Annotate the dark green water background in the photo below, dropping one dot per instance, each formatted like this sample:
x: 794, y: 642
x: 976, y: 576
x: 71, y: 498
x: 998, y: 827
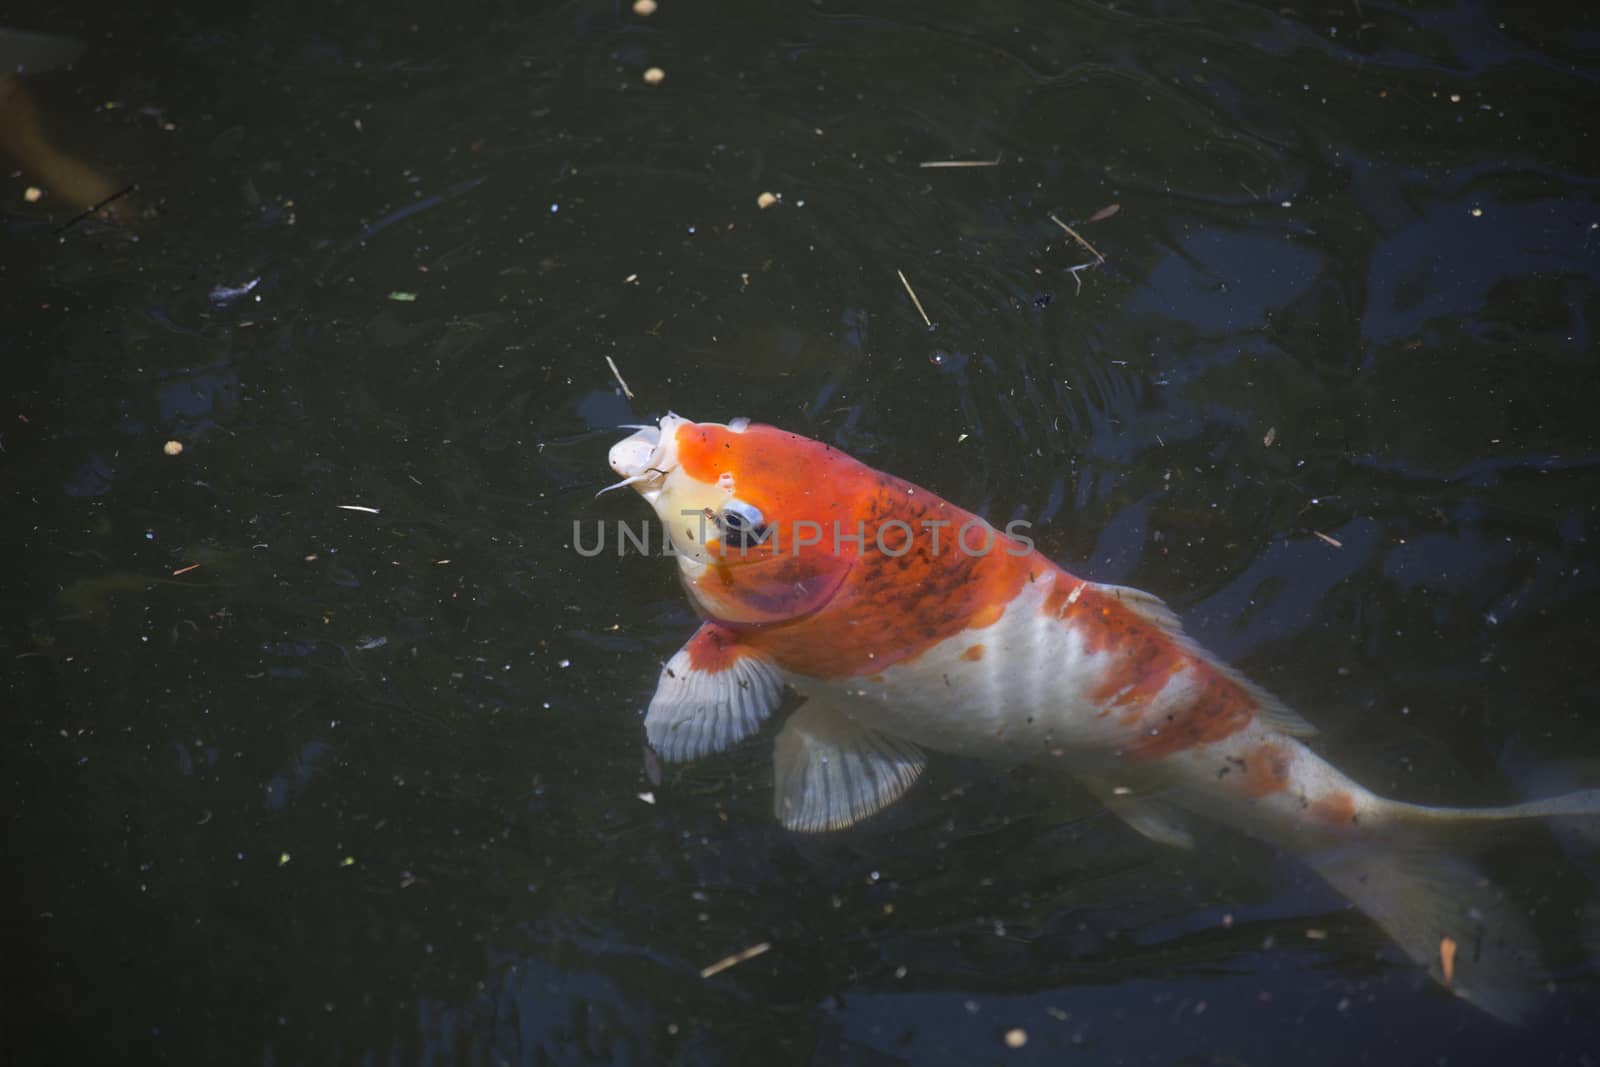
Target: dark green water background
x: 364, y: 788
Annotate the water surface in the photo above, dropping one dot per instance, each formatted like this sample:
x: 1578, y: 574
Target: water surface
x: 364, y: 785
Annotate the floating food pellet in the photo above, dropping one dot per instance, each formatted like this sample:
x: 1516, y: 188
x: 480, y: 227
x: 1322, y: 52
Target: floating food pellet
x: 283, y: 859
x: 1477, y: 212
x: 644, y: 7
x: 765, y: 200
x: 1016, y: 1037
x: 32, y: 194
x: 654, y: 75
x: 173, y: 448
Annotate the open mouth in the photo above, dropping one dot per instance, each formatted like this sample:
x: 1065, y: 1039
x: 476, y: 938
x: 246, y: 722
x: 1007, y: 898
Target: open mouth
x: 647, y: 454
x: 632, y: 455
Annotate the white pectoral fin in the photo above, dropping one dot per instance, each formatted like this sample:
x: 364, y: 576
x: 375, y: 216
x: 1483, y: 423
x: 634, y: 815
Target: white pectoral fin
x: 831, y: 772
x: 702, y: 709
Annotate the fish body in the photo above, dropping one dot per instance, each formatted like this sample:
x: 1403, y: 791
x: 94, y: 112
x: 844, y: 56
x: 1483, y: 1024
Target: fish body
x: 911, y: 625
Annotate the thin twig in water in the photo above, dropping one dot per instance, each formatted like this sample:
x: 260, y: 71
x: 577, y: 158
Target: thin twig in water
x: 108, y: 201
x: 1079, y: 238
x: 1334, y: 541
x: 734, y: 960
x: 912, y: 293
x: 618, y: 375
x: 1074, y: 272
x: 948, y: 163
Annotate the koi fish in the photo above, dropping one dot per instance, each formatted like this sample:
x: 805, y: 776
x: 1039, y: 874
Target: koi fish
x: 909, y: 625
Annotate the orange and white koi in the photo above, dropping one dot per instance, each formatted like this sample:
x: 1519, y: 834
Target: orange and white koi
x: 909, y: 624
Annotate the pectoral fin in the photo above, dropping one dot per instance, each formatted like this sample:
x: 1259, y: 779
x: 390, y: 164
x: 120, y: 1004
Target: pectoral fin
x: 1145, y: 812
x: 713, y: 693
x: 831, y: 771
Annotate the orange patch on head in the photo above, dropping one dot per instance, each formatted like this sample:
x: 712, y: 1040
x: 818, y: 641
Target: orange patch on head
x: 901, y: 597
x: 1265, y: 770
x: 891, y: 577
x: 1334, y: 809
x: 973, y: 654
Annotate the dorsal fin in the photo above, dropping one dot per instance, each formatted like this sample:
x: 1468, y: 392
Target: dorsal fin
x: 1272, y: 711
x: 1145, y: 605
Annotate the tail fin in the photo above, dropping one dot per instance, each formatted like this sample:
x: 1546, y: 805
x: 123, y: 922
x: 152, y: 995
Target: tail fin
x: 1444, y: 912
x: 1439, y: 908
x: 1583, y: 804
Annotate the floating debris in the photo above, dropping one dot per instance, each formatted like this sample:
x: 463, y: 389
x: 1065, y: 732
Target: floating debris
x: 227, y: 294
x: 402, y: 297
x: 766, y: 200
x: 1076, y: 236
x: 1447, y: 959
x: 186, y: 570
x: 1272, y: 435
x: 1016, y: 1037
x: 912, y: 293
x: 644, y: 8
x: 1104, y: 213
x: 283, y: 859
x: 357, y: 507
x: 734, y: 960
x: 941, y: 164
x: 32, y: 194
x: 618, y: 376
x: 1314, y: 934
x: 173, y: 448
x: 95, y: 209
x: 1334, y: 541
x: 648, y: 798
x: 654, y: 76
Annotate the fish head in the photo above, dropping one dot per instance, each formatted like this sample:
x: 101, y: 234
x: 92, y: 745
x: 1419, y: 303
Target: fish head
x: 751, y: 512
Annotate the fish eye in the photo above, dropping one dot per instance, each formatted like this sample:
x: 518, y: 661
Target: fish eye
x: 742, y: 524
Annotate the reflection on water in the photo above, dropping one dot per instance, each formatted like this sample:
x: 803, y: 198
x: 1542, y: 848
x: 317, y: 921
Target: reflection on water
x: 1348, y: 292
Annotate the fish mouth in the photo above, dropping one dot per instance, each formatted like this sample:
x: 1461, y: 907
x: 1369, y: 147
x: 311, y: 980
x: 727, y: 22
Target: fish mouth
x: 647, y: 455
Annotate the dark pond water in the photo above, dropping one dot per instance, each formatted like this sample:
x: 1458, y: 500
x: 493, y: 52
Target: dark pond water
x: 364, y: 785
